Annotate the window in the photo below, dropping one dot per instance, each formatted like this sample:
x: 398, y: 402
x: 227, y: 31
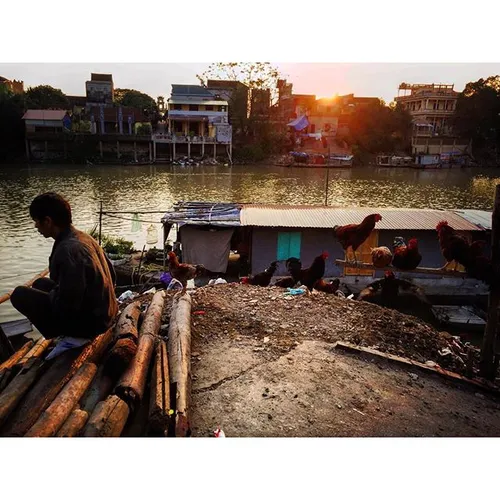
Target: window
x: 193, y: 107
x: 209, y: 108
x: 288, y: 245
x: 177, y: 107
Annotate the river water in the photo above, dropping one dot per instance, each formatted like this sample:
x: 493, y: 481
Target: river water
x: 23, y: 252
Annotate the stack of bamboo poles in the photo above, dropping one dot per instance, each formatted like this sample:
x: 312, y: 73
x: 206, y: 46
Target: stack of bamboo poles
x: 128, y: 381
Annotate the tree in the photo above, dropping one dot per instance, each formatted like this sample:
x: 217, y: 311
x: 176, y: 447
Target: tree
x: 135, y: 99
x: 255, y: 75
x: 11, y: 123
x: 45, y: 97
x: 477, y: 115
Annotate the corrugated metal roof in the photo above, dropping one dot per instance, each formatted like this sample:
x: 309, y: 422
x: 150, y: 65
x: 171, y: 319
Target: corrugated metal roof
x: 44, y: 114
x: 327, y: 217
x: 480, y: 218
x: 203, y: 213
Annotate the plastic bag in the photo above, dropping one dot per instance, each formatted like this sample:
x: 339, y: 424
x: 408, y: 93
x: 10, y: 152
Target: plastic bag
x: 129, y: 294
x: 136, y: 223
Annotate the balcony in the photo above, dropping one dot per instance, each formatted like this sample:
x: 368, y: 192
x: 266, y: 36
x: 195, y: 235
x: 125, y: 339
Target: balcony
x: 183, y: 139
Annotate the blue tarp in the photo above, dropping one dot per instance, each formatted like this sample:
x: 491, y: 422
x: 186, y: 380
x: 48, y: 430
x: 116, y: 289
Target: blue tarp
x: 299, y: 123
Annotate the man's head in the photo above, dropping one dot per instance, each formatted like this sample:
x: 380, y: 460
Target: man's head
x: 51, y: 213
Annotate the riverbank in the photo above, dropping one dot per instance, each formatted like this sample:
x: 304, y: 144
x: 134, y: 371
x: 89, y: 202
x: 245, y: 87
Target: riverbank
x: 265, y: 364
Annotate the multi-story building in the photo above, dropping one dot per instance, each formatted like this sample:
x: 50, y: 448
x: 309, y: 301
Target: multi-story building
x: 100, y: 90
x: 235, y: 93
x: 16, y: 86
x: 432, y: 107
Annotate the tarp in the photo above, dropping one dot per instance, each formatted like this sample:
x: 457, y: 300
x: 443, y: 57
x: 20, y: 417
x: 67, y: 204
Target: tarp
x: 299, y: 123
x: 209, y: 248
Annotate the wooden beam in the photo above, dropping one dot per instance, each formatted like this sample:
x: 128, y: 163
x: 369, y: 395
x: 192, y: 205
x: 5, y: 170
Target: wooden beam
x: 179, y: 353
x: 490, y: 347
x: 419, y: 270
x: 159, y: 403
x: 108, y: 419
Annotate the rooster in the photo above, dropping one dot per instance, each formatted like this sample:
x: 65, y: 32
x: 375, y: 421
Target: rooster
x: 381, y: 257
x: 183, y: 272
x: 286, y: 282
x: 406, y: 257
x: 479, y: 266
x: 263, y: 278
x: 325, y: 287
x: 454, y: 247
x: 310, y: 275
x: 354, y: 235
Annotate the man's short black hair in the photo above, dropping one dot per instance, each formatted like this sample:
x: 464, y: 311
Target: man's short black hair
x: 51, y: 205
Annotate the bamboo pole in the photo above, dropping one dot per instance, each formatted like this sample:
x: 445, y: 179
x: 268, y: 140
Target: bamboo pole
x: 490, y: 347
x: 59, y: 372
x: 6, y: 296
x: 420, y: 270
x: 159, y: 402
x: 59, y: 410
x: 108, y: 419
x: 17, y: 356
x: 179, y: 352
x: 20, y: 385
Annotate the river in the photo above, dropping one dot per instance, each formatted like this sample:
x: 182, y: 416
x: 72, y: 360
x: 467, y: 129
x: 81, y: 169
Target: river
x: 23, y: 252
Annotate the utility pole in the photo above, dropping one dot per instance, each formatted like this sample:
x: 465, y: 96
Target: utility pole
x: 491, y: 345
x: 100, y: 222
x: 326, y: 185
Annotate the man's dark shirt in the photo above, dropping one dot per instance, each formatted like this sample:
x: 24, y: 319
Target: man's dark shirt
x: 83, y: 300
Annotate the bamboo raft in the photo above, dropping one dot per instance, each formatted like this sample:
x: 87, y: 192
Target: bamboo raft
x: 129, y: 381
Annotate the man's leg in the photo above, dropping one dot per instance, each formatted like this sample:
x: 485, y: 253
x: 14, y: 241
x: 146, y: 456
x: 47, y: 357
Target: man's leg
x: 35, y: 305
x: 44, y: 284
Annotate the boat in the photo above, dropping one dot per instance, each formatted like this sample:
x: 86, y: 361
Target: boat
x: 393, y: 161
x: 303, y: 159
x: 459, y: 317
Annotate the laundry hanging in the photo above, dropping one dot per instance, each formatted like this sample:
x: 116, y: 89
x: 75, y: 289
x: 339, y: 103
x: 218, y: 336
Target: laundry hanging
x: 136, y: 223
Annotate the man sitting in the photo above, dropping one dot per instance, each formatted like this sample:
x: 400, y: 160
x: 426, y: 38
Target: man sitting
x: 78, y: 300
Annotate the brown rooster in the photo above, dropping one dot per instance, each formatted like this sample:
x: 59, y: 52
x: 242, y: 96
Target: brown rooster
x: 354, y: 235
x: 453, y: 246
x: 310, y: 275
x: 325, y: 287
x: 183, y: 272
x: 381, y: 257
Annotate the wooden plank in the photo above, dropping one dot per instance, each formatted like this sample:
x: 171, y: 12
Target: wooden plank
x: 491, y: 340
x: 17, y: 327
x: 179, y: 353
x: 419, y: 270
x: 454, y: 377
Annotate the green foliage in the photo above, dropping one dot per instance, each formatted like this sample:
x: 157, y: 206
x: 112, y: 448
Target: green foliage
x: 11, y: 123
x: 135, y: 99
x: 116, y: 246
x: 45, y: 97
x: 377, y: 128
x: 250, y: 153
x: 81, y: 126
x: 477, y: 115
x: 143, y: 128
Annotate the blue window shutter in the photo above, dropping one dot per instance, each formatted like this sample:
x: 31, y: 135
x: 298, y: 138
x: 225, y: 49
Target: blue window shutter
x: 288, y: 245
x: 283, y: 246
x: 294, y: 250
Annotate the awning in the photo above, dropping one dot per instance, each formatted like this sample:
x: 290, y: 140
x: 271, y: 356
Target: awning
x: 299, y: 123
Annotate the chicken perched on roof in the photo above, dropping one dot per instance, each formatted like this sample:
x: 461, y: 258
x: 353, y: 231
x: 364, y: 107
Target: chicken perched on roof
x: 354, y: 235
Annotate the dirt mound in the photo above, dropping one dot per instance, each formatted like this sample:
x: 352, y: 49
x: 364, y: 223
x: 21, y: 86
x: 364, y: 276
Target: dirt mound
x: 281, y: 321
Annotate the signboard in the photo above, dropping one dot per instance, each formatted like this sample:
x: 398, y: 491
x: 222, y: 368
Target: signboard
x: 224, y: 132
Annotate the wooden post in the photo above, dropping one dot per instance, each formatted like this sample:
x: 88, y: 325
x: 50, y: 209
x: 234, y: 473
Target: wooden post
x: 15, y: 357
x: 100, y: 149
x: 118, y: 150
x: 326, y: 184
x: 154, y: 150
x: 108, y: 419
x: 490, y: 345
x: 150, y: 154
x: 28, y: 156
x: 203, y: 146
x: 173, y: 146
x: 179, y: 353
x: 215, y: 150
x: 189, y: 146
x: 135, y: 151
x: 100, y: 222
x: 159, y: 403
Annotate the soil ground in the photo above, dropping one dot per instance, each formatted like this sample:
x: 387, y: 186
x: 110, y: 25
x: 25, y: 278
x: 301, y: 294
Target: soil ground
x: 264, y: 364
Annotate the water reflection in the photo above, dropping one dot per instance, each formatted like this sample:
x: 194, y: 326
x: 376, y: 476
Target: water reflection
x: 148, y: 188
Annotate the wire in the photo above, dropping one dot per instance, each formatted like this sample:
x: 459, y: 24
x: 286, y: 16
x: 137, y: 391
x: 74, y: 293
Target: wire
x: 133, y: 220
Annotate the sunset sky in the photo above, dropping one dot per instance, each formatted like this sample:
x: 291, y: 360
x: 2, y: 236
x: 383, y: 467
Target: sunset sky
x: 323, y: 79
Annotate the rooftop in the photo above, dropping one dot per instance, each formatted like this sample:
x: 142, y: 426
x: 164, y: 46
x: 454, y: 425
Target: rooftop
x: 101, y: 77
x: 191, y: 90
x: 232, y: 214
x: 44, y: 114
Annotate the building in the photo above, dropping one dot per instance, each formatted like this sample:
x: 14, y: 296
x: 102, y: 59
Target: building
x: 260, y: 104
x: 120, y: 120
x: 236, y: 94
x: 99, y: 90
x: 277, y: 232
x: 432, y: 107
x: 195, y: 119
x: 16, y: 86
